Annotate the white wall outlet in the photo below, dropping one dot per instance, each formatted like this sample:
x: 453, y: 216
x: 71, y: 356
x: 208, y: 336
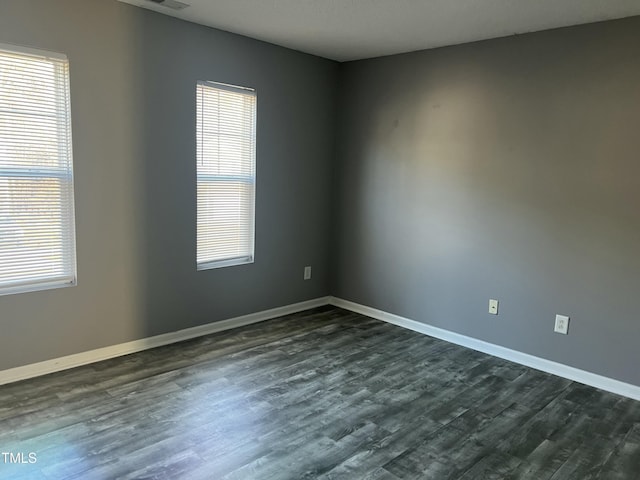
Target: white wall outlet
x: 562, y: 324
x: 493, y: 307
x: 307, y: 273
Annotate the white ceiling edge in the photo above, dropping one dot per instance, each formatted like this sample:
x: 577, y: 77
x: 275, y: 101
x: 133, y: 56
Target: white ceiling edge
x: 345, y: 30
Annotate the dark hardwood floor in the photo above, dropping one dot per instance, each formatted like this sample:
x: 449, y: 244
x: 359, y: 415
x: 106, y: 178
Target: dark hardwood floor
x: 322, y: 394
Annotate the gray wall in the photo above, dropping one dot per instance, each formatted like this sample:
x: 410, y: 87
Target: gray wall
x: 505, y: 169
x: 133, y: 77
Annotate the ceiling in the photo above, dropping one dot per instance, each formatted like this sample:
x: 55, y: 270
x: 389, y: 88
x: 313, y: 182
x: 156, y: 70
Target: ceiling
x: 354, y: 29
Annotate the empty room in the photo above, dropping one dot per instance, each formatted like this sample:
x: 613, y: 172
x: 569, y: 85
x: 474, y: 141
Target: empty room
x: 341, y: 239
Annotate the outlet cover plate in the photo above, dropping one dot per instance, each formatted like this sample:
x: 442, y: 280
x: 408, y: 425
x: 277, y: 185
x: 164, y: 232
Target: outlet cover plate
x: 562, y: 324
x: 493, y: 307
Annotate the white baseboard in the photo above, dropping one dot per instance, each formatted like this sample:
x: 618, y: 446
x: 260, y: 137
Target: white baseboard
x: 70, y: 361
x: 559, y: 369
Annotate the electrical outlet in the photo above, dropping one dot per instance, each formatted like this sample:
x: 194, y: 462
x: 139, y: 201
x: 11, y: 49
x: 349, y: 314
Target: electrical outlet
x: 493, y: 307
x: 562, y: 324
x: 307, y: 273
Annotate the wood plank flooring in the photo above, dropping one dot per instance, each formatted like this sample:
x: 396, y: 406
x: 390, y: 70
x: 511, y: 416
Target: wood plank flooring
x: 323, y: 394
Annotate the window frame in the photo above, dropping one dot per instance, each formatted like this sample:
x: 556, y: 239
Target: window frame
x: 210, y: 264
x: 64, y: 145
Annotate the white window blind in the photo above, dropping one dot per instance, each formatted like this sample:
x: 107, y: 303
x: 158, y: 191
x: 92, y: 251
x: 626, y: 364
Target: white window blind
x: 226, y: 156
x: 37, y: 244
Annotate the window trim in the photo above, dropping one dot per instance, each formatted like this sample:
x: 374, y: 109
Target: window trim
x: 61, y: 281
x: 242, y: 259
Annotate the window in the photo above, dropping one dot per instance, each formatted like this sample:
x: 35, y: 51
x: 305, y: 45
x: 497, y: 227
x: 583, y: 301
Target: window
x: 37, y: 233
x: 226, y: 178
